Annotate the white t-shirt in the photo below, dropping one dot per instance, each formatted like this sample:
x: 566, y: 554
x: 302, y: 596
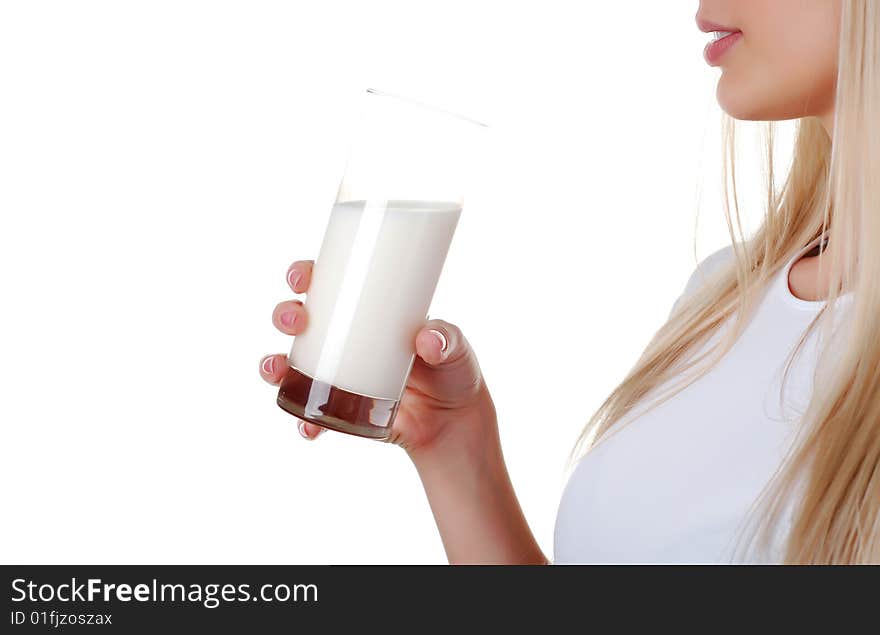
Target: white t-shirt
x: 673, y: 485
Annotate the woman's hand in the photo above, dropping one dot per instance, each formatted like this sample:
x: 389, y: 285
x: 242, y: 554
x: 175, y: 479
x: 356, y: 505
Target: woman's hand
x: 446, y: 422
x: 445, y: 401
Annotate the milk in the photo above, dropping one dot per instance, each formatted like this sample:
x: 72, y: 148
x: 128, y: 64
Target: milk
x: 371, y: 288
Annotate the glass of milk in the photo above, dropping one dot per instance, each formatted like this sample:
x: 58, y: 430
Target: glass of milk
x: 386, y: 240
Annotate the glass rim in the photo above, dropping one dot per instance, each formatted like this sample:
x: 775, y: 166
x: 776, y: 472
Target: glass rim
x: 415, y: 102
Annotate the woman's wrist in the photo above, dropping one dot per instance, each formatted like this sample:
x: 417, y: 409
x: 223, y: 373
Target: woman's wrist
x: 476, y: 510
x: 471, y: 496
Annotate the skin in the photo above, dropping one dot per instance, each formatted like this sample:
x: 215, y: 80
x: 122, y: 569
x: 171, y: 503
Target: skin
x: 783, y: 67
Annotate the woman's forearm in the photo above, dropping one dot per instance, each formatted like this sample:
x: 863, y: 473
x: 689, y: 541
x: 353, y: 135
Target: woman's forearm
x: 473, y: 501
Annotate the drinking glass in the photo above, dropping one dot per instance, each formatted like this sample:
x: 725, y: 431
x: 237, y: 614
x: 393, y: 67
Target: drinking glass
x: 384, y: 247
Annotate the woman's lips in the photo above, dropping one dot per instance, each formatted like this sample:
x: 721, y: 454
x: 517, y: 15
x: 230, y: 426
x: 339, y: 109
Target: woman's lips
x: 715, y: 49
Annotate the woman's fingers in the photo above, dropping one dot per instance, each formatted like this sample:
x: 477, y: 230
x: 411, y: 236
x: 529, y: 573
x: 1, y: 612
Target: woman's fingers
x: 272, y: 369
x: 299, y: 275
x: 309, y: 430
x: 289, y: 317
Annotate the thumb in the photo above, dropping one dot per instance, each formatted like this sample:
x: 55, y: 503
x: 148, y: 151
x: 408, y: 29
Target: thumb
x: 446, y: 366
x: 433, y: 343
x: 439, y: 343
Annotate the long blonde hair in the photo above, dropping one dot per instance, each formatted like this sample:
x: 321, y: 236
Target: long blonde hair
x: 833, y: 463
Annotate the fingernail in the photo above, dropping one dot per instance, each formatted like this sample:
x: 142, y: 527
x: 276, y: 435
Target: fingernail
x: 288, y: 318
x: 442, y: 340
x: 301, y: 426
x: 293, y: 277
x: 268, y: 365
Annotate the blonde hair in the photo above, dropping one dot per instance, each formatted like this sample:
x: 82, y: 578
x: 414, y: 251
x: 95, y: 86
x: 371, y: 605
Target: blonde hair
x: 833, y: 461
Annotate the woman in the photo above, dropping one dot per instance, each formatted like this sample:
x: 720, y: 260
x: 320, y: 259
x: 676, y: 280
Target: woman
x: 749, y: 429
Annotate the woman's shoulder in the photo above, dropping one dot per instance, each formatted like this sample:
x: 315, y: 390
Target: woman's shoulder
x: 704, y: 270
x: 708, y: 266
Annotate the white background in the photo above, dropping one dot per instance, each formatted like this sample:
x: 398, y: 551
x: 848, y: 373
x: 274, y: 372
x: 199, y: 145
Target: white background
x: 161, y: 164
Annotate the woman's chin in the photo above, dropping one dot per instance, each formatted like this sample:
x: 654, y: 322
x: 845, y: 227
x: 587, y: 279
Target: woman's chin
x: 737, y: 104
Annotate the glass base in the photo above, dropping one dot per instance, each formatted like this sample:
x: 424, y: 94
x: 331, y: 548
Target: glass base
x: 334, y: 408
